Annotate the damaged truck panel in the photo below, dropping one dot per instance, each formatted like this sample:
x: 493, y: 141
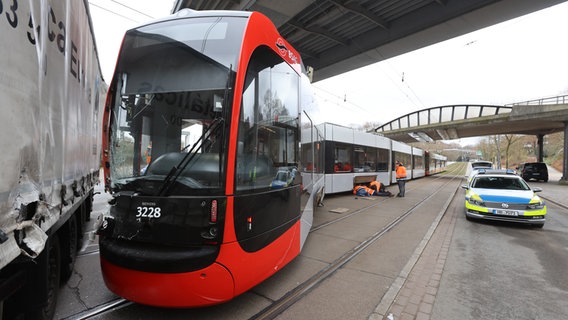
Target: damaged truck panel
x: 51, y: 97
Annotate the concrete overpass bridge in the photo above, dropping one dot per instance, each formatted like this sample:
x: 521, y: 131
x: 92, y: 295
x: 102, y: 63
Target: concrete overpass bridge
x: 536, y: 117
x: 336, y: 36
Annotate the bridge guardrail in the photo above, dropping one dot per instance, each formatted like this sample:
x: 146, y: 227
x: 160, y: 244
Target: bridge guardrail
x: 550, y: 100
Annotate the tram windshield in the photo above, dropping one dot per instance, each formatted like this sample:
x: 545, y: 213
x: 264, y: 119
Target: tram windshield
x: 172, y: 90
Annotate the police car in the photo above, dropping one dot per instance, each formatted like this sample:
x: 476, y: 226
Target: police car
x: 502, y: 195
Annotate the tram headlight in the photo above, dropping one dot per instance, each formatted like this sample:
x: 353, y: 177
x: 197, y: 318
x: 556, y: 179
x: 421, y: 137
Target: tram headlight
x: 214, y: 232
x: 104, y: 225
x: 210, y: 234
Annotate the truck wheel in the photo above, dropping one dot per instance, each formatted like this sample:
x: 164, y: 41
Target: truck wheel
x: 70, y: 247
x: 52, y: 277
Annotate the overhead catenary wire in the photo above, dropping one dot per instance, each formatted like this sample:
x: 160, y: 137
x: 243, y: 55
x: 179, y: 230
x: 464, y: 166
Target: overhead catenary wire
x: 112, y: 12
x: 106, y: 8
x: 130, y: 8
x: 340, y: 101
x: 416, y: 101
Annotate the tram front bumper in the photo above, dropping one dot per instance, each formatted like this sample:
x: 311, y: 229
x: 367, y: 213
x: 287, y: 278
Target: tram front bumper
x: 208, y: 286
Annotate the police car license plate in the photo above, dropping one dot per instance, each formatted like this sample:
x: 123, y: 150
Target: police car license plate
x: 506, y: 212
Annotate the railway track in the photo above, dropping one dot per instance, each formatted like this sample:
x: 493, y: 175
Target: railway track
x: 110, y: 306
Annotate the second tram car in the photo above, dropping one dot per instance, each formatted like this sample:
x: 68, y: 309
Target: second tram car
x: 351, y: 157
x: 435, y: 163
x: 202, y: 157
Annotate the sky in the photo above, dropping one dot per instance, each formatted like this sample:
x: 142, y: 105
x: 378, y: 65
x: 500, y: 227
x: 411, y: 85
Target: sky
x: 517, y: 60
x: 112, y: 18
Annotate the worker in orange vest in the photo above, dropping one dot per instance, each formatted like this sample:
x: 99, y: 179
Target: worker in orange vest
x: 379, y: 189
x: 363, y: 191
x: 400, y: 178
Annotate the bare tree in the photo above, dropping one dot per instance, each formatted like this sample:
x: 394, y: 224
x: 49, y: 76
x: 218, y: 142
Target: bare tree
x: 488, y: 149
x: 510, y: 140
x: 369, y: 126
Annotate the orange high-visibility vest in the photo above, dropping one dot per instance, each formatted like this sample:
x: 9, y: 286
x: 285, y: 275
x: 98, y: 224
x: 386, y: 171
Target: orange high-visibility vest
x: 369, y: 190
x: 400, y: 172
x: 357, y: 188
x: 377, y: 185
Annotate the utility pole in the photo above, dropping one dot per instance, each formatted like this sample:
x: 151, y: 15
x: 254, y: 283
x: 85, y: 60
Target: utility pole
x: 498, y: 151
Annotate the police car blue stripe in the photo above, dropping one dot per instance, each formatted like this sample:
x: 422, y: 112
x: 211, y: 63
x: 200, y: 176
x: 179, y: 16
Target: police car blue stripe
x: 501, y: 198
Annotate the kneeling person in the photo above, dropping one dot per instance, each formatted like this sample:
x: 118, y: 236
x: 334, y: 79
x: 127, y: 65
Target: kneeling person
x: 379, y: 189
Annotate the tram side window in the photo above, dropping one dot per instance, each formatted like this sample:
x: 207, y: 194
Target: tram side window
x: 418, y: 162
x: 405, y: 158
x: 268, y: 138
x: 383, y: 160
x: 365, y: 159
x: 342, y: 158
x: 307, y: 154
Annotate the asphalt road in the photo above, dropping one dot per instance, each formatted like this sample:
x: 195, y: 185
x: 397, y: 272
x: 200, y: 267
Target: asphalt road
x: 505, y: 271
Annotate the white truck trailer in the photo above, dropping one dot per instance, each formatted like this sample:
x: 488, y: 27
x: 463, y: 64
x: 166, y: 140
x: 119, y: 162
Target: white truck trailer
x: 51, y: 99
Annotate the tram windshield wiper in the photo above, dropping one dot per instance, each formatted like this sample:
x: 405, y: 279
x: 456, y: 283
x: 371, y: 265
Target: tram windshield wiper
x: 176, y: 170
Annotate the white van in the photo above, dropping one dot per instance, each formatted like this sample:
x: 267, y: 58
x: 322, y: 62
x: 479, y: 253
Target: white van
x: 473, y: 168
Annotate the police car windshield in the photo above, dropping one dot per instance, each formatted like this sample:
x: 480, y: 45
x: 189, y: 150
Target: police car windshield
x: 500, y: 182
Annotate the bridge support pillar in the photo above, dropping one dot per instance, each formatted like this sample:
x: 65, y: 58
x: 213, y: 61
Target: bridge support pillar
x: 540, y: 144
x: 564, y: 178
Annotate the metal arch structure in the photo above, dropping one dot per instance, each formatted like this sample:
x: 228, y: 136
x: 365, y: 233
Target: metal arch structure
x: 336, y: 36
x: 443, y: 123
x: 537, y: 117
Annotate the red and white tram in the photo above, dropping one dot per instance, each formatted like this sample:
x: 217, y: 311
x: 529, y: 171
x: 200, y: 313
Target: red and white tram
x: 201, y: 138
